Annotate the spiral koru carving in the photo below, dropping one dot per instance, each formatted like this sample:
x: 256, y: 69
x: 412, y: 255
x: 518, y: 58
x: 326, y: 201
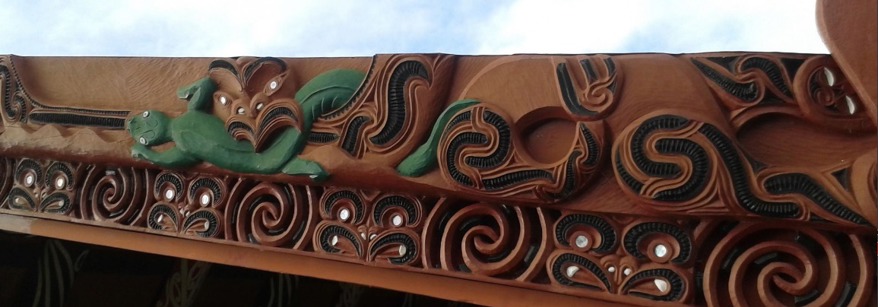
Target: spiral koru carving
x: 647, y: 164
x: 271, y: 214
x: 586, y: 232
x: 597, y: 97
x: 479, y: 151
x: 343, y: 212
x: 396, y: 220
x: 117, y: 195
x: 763, y: 265
x: 488, y: 240
x: 392, y: 110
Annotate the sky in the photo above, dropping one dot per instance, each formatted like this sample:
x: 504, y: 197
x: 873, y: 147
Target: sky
x: 312, y: 28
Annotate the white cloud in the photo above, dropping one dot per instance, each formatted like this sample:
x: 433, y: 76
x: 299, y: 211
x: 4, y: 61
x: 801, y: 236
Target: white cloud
x: 361, y: 28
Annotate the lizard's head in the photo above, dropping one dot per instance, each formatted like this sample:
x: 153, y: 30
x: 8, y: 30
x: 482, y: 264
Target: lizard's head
x: 150, y: 128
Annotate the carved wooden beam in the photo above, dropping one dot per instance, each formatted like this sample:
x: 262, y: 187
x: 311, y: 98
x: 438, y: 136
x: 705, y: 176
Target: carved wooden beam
x: 713, y: 178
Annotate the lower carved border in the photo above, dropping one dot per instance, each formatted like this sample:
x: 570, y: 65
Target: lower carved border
x: 622, y: 258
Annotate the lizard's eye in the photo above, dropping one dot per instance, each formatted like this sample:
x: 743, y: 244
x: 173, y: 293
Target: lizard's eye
x: 145, y: 114
x: 142, y: 140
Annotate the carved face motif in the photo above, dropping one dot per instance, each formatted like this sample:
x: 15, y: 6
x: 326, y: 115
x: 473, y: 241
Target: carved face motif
x: 254, y: 98
x: 150, y: 128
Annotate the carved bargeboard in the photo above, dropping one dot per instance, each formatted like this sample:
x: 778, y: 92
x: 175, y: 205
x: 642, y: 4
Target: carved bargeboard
x: 697, y: 179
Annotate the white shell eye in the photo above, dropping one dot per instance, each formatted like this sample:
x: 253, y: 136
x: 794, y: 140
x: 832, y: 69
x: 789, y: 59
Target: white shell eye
x: 145, y: 113
x: 224, y: 100
x: 240, y: 110
x: 259, y: 106
x: 272, y: 85
x: 142, y: 140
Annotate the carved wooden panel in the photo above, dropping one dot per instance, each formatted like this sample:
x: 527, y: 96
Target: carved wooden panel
x: 714, y: 179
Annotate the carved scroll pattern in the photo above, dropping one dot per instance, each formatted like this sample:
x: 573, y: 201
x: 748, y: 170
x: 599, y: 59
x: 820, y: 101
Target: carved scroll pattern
x: 479, y: 152
x: 19, y: 106
x: 761, y: 264
x: 380, y: 228
x: 596, y: 97
x: 809, y: 87
x: 609, y: 256
x: 641, y: 257
x: 673, y: 163
x: 393, y: 109
x: 254, y: 98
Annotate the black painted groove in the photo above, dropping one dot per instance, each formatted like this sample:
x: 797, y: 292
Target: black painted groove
x: 322, y: 137
x: 236, y: 125
x: 803, y: 184
x: 397, y: 113
x: 395, y: 201
x: 569, y: 92
x: 67, y: 119
x: 350, y: 103
x: 212, y: 223
x: 252, y: 67
x: 638, y: 140
x: 675, y: 282
x: 152, y: 220
x: 503, y: 143
x: 211, y: 185
x: 352, y: 134
x: 349, y: 195
x: 331, y: 230
x: 411, y: 250
x: 275, y: 113
x: 772, y: 70
x: 174, y: 180
x: 58, y: 167
x: 638, y: 233
x: 55, y: 197
x: 591, y: 145
x: 740, y: 180
x: 608, y: 233
x: 18, y: 192
x: 747, y: 92
x: 223, y: 64
x: 560, y: 274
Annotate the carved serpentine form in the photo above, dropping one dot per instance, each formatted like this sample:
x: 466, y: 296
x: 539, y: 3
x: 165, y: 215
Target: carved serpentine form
x: 568, y: 180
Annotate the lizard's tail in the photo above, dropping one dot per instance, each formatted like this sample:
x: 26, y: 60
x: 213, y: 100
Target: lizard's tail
x: 424, y: 158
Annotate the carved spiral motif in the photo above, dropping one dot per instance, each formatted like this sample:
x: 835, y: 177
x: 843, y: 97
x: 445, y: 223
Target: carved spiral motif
x: 658, y: 241
x: 826, y: 97
x: 270, y: 214
x: 479, y: 152
x: 342, y: 210
x: 14, y: 103
x: 597, y: 97
x: 757, y: 264
x: 586, y: 232
x: 488, y: 240
x: 399, y: 216
x: 116, y: 195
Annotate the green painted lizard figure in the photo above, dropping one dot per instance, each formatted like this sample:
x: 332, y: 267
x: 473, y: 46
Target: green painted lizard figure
x: 199, y: 136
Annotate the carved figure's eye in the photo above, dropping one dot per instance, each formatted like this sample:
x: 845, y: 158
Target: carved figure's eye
x: 273, y: 86
x: 223, y: 100
x: 142, y: 140
x: 145, y: 114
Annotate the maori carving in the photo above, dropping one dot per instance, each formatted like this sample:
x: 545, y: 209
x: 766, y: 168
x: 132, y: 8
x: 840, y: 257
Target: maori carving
x: 477, y: 151
x: 20, y: 106
x: 380, y: 228
x: 616, y: 257
x: 647, y: 259
x: 599, y: 94
x: 487, y: 240
x: 810, y: 87
x: 762, y: 264
x: 392, y: 110
x: 41, y: 188
x: 715, y: 176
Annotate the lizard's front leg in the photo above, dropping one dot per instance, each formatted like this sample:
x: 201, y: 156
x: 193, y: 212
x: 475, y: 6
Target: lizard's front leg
x: 172, y: 158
